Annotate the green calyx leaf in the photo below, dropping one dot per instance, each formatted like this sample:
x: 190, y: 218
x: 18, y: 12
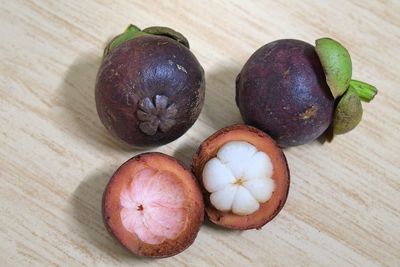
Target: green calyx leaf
x: 348, y: 113
x: 130, y: 33
x: 133, y: 31
x: 336, y: 62
x: 168, y: 32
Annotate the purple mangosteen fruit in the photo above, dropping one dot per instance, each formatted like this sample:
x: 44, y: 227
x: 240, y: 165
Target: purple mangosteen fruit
x: 295, y: 91
x: 150, y: 87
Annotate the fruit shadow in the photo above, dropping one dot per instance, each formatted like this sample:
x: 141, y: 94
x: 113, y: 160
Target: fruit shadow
x: 212, y: 228
x: 77, y: 91
x: 86, y: 205
x: 220, y: 108
x: 184, y: 153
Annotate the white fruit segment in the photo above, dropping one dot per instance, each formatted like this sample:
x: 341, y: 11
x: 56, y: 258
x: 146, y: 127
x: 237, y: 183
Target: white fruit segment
x: 235, y: 155
x: 216, y: 175
x: 261, y: 167
x: 239, y: 178
x: 244, y: 203
x: 261, y: 189
x: 223, y: 199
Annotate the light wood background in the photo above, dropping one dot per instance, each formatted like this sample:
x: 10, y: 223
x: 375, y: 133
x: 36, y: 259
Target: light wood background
x: 56, y: 157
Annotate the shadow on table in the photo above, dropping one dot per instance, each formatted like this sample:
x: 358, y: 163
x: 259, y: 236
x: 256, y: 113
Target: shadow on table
x: 77, y: 91
x: 220, y: 108
x: 184, y: 153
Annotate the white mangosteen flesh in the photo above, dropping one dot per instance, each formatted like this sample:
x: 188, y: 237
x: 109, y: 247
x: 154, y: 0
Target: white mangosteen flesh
x: 239, y: 178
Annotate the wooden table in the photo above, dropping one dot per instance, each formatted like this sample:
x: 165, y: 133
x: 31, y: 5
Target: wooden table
x: 56, y: 157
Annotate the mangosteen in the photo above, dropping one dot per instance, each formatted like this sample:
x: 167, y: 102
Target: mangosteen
x: 290, y: 89
x: 244, y: 177
x: 150, y: 87
x: 153, y: 205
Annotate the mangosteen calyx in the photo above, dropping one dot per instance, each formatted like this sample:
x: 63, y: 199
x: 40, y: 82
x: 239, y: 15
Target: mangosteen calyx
x: 337, y: 65
x: 159, y: 115
x: 336, y: 62
x: 168, y: 32
x: 133, y: 31
x: 348, y: 113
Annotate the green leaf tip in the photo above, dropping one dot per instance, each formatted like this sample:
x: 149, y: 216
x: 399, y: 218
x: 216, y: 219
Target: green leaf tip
x: 336, y: 62
x: 130, y: 33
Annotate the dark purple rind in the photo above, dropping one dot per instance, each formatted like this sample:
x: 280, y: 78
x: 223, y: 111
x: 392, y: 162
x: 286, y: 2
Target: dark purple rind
x: 282, y: 90
x: 145, y: 67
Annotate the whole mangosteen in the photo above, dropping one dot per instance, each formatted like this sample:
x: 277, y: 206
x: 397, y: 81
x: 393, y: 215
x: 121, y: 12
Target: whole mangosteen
x: 150, y: 87
x: 288, y: 88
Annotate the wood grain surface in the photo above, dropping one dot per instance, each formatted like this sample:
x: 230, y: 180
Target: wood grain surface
x: 56, y: 157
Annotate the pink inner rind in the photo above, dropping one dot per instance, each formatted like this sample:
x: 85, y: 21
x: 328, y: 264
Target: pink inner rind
x: 153, y: 206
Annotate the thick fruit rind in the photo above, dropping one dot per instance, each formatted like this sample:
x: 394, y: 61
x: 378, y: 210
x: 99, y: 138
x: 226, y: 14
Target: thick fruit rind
x: 209, y: 148
x: 111, y: 206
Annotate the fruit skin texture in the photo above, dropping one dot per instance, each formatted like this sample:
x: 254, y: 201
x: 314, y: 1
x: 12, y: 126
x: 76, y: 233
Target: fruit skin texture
x: 282, y: 90
x: 149, y: 90
x: 281, y: 176
x: 111, y: 205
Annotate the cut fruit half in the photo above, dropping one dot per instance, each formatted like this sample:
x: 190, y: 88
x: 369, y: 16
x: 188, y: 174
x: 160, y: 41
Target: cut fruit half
x: 244, y: 177
x: 153, y: 205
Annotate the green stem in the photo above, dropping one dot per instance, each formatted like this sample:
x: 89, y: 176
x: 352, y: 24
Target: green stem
x: 365, y: 91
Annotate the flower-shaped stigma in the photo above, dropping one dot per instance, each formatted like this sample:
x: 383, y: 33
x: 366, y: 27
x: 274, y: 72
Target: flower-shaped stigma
x: 153, y: 206
x: 157, y: 115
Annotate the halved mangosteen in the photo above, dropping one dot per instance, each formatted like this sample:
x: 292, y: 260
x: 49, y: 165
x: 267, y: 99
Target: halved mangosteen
x: 244, y: 176
x: 153, y: 205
